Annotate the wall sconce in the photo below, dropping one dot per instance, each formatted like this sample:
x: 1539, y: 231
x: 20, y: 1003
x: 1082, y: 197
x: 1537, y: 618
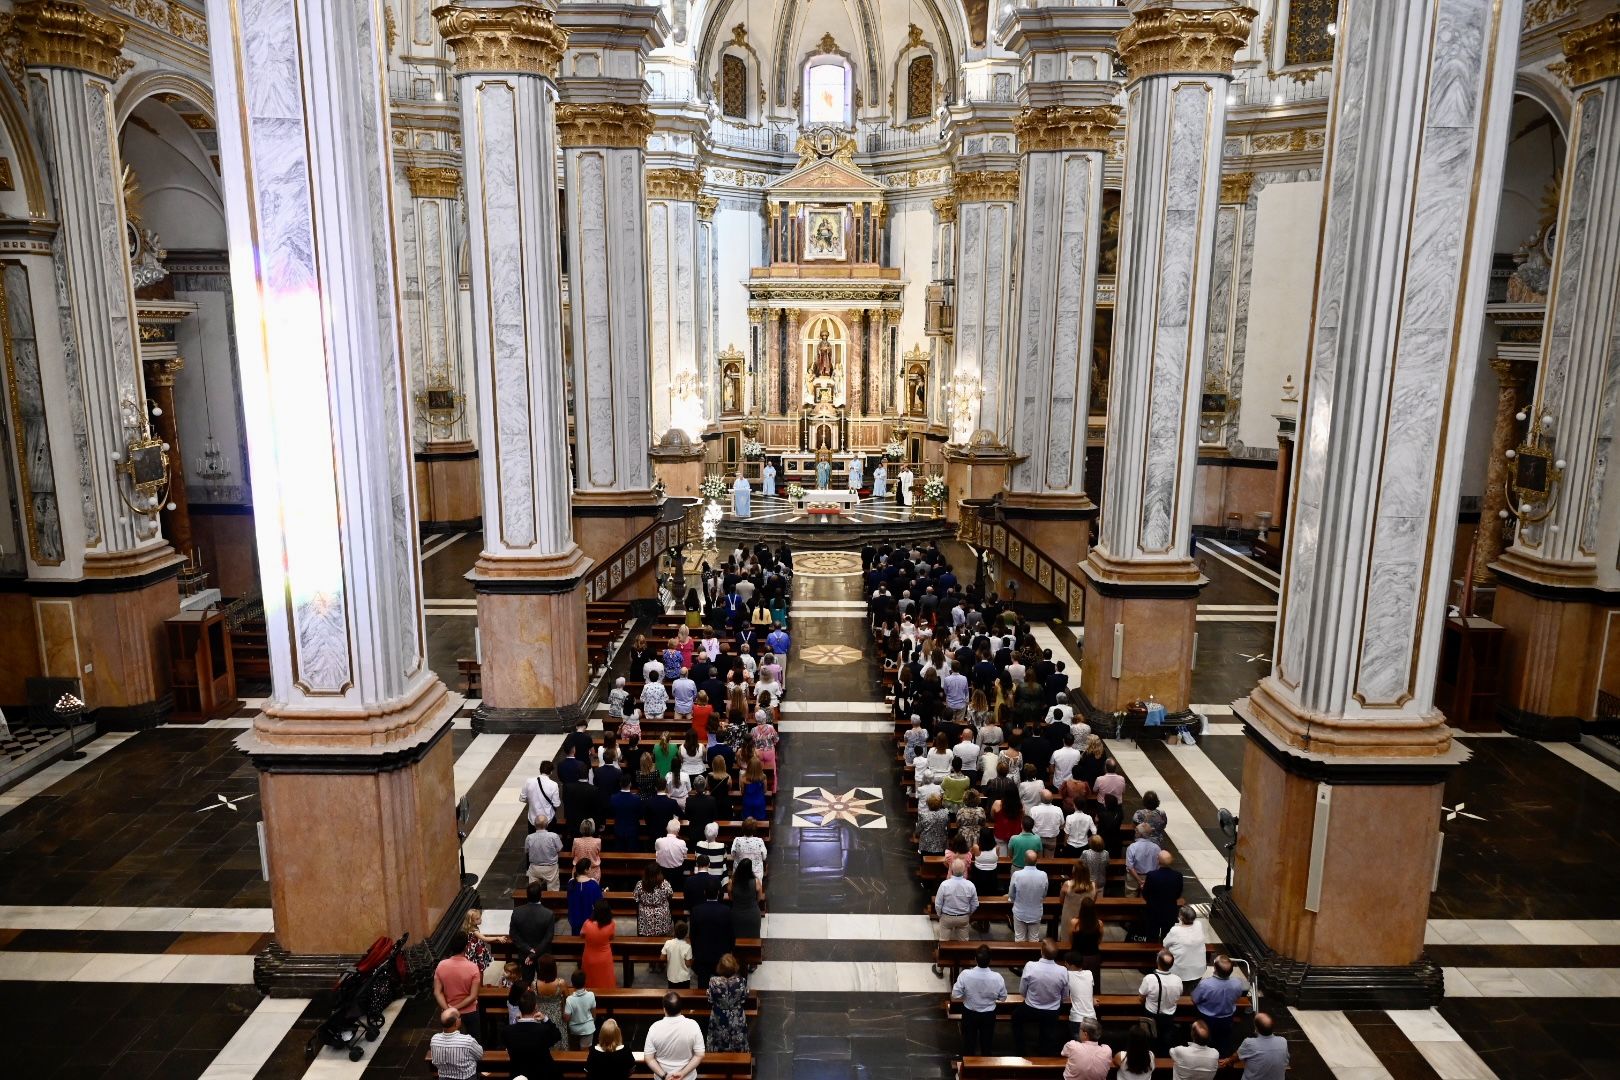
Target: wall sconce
x: 440, y: 404
x: 962, y: 397
x: 1533, y: 475
x: 145, y: 462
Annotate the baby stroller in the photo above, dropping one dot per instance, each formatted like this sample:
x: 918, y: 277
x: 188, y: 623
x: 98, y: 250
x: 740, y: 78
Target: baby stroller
x: 363, y: 993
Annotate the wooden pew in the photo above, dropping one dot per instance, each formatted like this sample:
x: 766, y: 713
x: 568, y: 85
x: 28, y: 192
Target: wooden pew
x: 1109, y: 908
x: 1045, y: 1068
x: 620, y: 1002
x: 715, y: 1066
x: 631, y: 950
x: 623, y: 865
x: 1111, y: 1008
x: 953, y: 956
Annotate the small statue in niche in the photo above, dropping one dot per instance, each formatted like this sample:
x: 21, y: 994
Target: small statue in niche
x: 823, y: 367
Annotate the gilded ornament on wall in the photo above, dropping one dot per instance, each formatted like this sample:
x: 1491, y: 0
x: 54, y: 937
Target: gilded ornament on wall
x: 55, y: 34
x: 1171, y: 41
x: 1592, y: 53
x: 524, y: 40
x: 987, y: 185
x: 429, y: 182
x: 1066, y: 127
x: 604, y: 124
x: 681, y: 185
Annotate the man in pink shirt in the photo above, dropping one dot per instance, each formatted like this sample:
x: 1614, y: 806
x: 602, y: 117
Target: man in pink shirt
x: 455, y: 986
x: 1111, y: 782
x: 1085, y: 1058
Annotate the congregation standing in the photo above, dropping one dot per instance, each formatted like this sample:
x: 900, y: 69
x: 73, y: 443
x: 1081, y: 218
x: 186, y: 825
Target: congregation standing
x: 713, y: 693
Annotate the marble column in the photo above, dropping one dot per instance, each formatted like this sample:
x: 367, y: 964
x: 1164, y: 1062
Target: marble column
x: 1142, y: 584
x: 352, y: 748
x: 531, y: 607
x: 112, y: 618
x: 430, y: 239
x: 1559, y: 586
x: 1347, y: 756
x: 1217, y: 432
x: 1512, y: 377
x: 672, y: 231
x: 602, y: 125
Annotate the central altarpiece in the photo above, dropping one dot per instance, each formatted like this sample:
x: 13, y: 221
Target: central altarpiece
x: 826, y: 311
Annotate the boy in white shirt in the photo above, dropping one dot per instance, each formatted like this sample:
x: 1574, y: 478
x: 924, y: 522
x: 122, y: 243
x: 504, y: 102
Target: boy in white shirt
x: 678, y: 959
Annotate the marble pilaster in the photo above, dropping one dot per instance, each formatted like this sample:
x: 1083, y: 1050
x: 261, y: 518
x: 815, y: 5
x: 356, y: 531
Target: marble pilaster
x: 1344, y: 738
x: 1142, y: 580
x: 351, y: 746
x: 1558, y: 583
x: 986, y: 212
x: 1512, y: 377
x: 430, y: 240
x: 530, y: 604
x: 672, y: 237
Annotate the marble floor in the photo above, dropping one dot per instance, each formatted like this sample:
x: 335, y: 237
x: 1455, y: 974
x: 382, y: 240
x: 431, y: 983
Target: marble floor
x: 130, y: 910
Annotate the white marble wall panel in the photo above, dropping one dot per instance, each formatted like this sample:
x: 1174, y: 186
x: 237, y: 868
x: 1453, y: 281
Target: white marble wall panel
x: 984, y: 264
x: 1056, y: 303
x: 309, y: 203
x: 673, y: 272
x: 1167, y: 242
x: 608, y: 269
x: 34, y: 464
x: 429, y: 239
x: 1413, y: 183
x: 509, y: 141
x: 1579, y: 386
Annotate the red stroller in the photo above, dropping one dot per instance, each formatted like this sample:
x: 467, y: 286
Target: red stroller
x: 363, y: 992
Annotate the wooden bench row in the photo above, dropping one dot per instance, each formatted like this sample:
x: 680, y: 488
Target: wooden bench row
x: 571, y: 1064
x: 953, y: 956
x: 623, y: 865
x: 1111, y: 1008
x: 631, y: 950
x: 1045, y: 1068
x: 623, y: 904
x: 622, y: 1003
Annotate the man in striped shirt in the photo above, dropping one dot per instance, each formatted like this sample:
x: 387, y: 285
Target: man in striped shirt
x: 455, y: 1053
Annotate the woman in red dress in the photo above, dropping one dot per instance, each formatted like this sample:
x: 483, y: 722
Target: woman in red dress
x: 597, y: 957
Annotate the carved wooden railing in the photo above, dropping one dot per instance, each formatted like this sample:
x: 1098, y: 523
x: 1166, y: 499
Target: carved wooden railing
x: 981, y: 525
x: 672, y: 529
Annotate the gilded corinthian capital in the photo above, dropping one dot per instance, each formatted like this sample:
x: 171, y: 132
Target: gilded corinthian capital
x: 1170, y: 41
x: 1066, y: 127
x: 67, y: 35
x: 523, y: 38
x: 1593, y: 52
x: 604, y: 123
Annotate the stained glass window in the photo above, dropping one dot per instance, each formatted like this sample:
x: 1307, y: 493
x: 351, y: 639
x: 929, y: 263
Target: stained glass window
x: 1308, y: 39
x: 920, y: 88
x: 734, y: 87
x: 826, y: 98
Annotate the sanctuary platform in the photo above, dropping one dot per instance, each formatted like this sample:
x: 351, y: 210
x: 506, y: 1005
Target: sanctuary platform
x: 775, y: 519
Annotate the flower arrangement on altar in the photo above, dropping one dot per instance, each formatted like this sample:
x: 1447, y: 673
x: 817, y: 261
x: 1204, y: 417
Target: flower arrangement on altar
x: 753, y: 449
x: 795, y: 491
x: 715, y: 487
x: 895, y: 450
x: 934, y: 489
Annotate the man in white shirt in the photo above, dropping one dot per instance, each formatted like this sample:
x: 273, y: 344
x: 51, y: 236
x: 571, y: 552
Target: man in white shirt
x: 1064, y: 759
x: 1197, y: 1060
x: 1161, y: 990
x: 542, y: 796
x: 1048, y: 819
x: 674, y: 1046
x: 1077, y: 830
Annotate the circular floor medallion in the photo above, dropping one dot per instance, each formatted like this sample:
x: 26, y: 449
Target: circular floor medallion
x: 826, y: 563
x: 830, y: 655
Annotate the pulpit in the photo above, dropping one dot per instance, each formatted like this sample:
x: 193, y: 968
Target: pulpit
x: 201, y: 666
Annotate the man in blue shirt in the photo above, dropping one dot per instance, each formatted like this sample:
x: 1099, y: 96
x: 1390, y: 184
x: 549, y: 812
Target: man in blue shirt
x: 1264, y: 1055
x: 1027, y: 890
x: 1216, y: 999
x: 779, y: 642
x: 979, y: 990
x: 1045, y: 986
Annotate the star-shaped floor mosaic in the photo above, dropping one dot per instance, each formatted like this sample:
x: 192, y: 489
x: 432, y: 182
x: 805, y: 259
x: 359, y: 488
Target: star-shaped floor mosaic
x: 829, y: 655
x: 821, y: 807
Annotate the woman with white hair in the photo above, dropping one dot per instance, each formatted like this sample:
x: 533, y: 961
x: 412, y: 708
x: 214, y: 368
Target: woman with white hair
x: 711, y: 853
x: 669, y: 852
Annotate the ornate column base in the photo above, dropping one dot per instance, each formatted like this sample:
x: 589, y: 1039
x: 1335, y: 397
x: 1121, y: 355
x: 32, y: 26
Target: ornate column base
x: 1362, y: 945
x: 1154, y: 608
x: 351, y: 813
x: 531, y: 618
x: 604, y: 521
x: 106, y: 630
x: 1561, y: 652
x: 978, y: 470
x: 1059, y: 525
x: 447, y: 485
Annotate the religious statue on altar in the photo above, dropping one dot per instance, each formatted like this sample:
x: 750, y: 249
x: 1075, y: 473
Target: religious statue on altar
x: 822, y: 366
x: 742, y: 497
x: 823, y: 469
